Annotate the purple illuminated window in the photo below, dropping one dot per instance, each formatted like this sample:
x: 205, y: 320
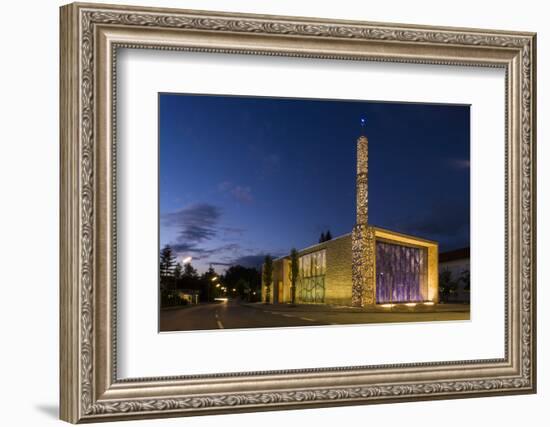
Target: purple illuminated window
x: 401, y: 273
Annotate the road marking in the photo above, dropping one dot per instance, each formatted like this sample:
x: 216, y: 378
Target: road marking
x: 307, y: 318
x: 220, y: 325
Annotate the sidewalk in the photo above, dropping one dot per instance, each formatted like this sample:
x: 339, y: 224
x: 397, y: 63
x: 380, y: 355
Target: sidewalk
x: 328, y: 308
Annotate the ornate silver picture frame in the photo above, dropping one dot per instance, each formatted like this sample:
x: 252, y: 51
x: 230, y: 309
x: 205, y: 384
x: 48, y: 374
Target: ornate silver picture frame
x: 91, y: 390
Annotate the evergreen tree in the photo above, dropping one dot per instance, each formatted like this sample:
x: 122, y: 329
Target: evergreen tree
x: 447, y: 285
x: 267, y: 277
x: 328, y: 236
x: 189, y: 271
x: 322, y: 238
x: 177, y: 271
x: 294, y: 271
x: 177, y: 275
x: 167, y: 264
x: 465, y: 279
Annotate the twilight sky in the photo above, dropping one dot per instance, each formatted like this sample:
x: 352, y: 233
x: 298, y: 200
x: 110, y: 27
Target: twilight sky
x: 241, y: 177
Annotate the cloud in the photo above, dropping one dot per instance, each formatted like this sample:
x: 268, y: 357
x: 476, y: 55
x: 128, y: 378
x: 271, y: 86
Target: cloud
x: 196, y: 223
x: 241, y: 194
x: 250, y: 261
x: 198, y: 253
x: 228, y: 234
x: 253, y: 259
x: 200, y: 234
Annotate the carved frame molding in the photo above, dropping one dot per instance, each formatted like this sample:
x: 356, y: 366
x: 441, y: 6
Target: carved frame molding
x: 90, y: 37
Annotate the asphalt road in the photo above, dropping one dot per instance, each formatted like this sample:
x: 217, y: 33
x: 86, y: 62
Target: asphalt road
x: 234, y: 315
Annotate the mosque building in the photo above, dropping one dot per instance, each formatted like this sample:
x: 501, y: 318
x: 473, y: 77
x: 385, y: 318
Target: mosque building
x: 367, y: 267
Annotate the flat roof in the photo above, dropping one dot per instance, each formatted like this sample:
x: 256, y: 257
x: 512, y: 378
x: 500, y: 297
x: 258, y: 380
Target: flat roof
x: 313, y: 246
x: 410, y: 236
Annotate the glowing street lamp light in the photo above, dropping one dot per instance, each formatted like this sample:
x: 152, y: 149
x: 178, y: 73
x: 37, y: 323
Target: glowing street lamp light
x: 214, y: 278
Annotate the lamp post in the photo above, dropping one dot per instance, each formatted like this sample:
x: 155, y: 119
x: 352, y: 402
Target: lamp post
x: 213, y: 280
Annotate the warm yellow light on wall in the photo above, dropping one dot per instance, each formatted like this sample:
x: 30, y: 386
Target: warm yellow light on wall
x: 411, y: 304
x: 429, y: 303
x: 387, y: 305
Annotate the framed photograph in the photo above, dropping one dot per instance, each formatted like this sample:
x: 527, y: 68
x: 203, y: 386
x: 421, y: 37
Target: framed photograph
x: 266, y: 212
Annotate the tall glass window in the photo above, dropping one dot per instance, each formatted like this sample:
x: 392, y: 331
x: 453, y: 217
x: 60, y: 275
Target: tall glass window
x: 311, y: 280
x: 401, y: 273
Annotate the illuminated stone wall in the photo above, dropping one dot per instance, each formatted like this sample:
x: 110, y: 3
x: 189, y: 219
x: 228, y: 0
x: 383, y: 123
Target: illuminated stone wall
x: 363, y: 266
x: 433, y: 273
x: 362, y: 183
x: 338, y: 276
x: 280, y: 289
x: 362, y: 236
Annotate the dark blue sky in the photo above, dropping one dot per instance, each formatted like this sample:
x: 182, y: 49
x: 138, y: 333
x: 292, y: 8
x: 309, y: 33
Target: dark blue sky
x: 241, y: 177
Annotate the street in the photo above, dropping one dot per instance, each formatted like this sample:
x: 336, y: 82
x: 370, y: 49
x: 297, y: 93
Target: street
x: 233, y: 314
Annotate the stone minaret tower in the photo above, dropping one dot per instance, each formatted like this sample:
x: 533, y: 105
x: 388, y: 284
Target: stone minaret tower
x: 362, y: 236
x: 362, y: 178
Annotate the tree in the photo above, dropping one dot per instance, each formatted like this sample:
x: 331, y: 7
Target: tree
x: 177, y: 275
x: 465, y: 278
x: 267, y: 277
x: 447, y: 286
x: 325, y: 237
x: 167, y: 263
x: 207, y: 285
x: 247, y: 281
x: 294, y: 271
x: 190, y: 271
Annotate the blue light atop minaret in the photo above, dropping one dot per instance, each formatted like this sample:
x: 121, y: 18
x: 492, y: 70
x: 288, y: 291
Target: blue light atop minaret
x: 363, y: 125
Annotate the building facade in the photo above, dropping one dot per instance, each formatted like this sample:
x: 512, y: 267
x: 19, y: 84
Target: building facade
x: 365, y: 268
